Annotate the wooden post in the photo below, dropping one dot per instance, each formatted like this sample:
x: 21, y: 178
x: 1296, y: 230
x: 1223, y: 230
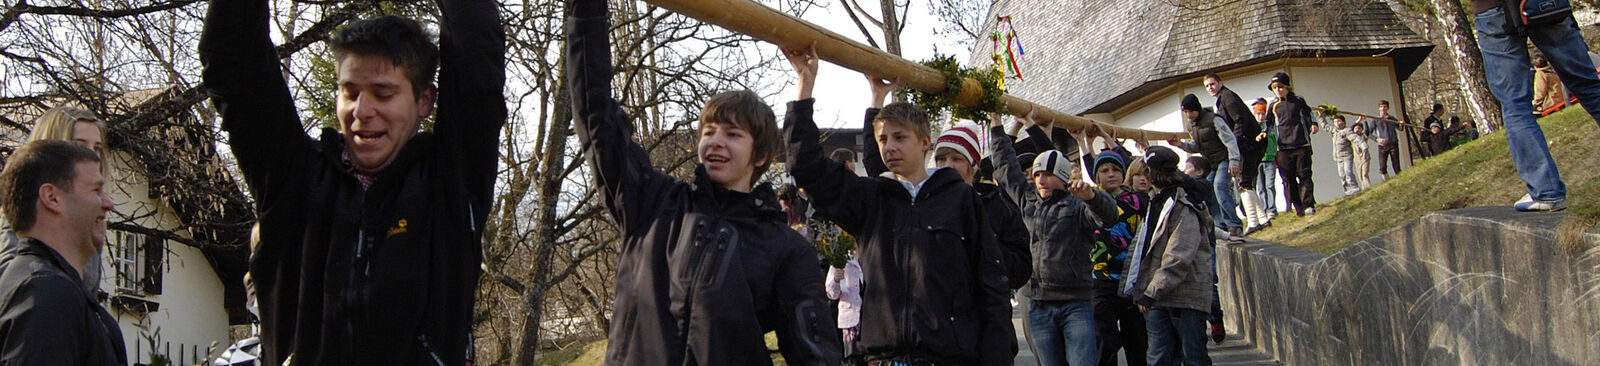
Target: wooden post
x: 767, y: 24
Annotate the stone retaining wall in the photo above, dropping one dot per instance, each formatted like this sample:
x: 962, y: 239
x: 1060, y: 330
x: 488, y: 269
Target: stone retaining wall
x: 1474, y: 286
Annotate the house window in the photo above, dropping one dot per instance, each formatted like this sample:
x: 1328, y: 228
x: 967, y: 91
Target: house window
x: 137, y: 260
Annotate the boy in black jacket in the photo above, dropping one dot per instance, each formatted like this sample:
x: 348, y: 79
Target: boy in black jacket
x: 706, y: 267
x: 370, y: 239
x: 935, y: 292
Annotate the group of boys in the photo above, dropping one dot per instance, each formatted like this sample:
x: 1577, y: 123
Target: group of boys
x: 370, y: 239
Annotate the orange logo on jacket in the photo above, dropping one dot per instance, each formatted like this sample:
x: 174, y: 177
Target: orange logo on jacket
x: 399, y: 228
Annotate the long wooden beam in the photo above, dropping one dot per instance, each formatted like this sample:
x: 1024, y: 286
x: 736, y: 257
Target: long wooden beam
x: 767, y: 24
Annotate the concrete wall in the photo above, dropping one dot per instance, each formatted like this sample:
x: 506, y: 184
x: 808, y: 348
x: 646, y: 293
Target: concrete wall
x: 1475, y: 286
x: 191, y: 314
x: 1351, y: 88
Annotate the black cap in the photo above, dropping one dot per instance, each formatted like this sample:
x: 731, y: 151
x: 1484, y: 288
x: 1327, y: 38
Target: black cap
x: 1162, y: 159
x: 1279, y: 78
x: 1191, y: 103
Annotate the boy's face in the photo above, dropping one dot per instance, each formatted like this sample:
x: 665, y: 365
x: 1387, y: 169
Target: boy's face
x: 1338, y: 122
x: 1213, y: 86
x: 1282, y: 91
x: 725, y: 150
x: 902, y: 149
x: 1140, y: 183
x: 946, y: 158
x: 1047, y: 183
x: 1383, y: 109
x: 378, y: 111
x: 1109, y: 176
x: 1189, y: 115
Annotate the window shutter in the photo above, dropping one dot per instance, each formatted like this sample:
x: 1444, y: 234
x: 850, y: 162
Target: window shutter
x: 155, y: 251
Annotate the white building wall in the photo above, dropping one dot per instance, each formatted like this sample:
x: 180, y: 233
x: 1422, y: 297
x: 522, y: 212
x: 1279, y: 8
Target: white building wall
x: 1354, y: 89
x: 191, y: 314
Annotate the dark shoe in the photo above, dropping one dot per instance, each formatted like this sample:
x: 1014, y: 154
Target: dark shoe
x: 1235, y: 231
x: 1217, y: 333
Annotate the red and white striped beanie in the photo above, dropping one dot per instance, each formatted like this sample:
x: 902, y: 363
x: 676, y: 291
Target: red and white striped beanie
x: 963, y: 138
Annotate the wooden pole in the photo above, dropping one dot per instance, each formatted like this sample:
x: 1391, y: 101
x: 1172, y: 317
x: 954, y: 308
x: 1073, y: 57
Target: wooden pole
x: 1368, y: 116
x: 767, y: 24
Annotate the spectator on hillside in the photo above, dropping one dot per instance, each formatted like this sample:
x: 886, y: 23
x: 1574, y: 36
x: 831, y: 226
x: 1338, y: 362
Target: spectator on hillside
x: 1343, y: 154
x: 1268, y: 179
x: 1438, y: 136
x: 1548, y: 96
x: 1388, y: 139
x: 1468, y: 133
x: 1290, y: 117
x: 1435, y: 117
x: 1212, y: 137
x: 1170, y: 269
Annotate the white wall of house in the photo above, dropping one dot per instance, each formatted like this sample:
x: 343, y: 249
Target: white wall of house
x: 1351, y: 88
x: 191, y: 314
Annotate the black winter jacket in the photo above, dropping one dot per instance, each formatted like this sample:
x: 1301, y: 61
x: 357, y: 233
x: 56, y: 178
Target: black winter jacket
x: 1238, y: 115
x: 935, y: 288
x: 1001, y: 213
x: 704, y: 271
x: 46, y: 318
x: 348, y: 275
x: 1292, y: 120
x: 1061, y: 227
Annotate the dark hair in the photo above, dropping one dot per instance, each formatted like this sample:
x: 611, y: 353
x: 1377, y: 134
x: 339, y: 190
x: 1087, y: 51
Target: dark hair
x: 907, y: 115
x: 1339, y: 117
x: 401, y: 40
x: 745, y: 109
x: 1455, y: 120
x: 843, y: 155
x: 1166, y: 179
x: 788, y: 193
x: 1383, y: 102
x: 1211, y: 76
x: 1438, y: 108
x: 38, y: 163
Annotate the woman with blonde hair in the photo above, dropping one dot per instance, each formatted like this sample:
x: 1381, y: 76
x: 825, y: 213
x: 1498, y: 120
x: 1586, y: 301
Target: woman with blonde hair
x: 78, y: 126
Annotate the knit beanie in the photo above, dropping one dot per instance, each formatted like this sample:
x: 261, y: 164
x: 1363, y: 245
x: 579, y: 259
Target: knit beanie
x: 1055, y: 162
x: 1109, y: 157
x: 963, y: 138
x: 1279, y: 78
x: 1191, y: 103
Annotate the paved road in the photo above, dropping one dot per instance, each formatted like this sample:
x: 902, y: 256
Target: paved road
x: 1233, y: 351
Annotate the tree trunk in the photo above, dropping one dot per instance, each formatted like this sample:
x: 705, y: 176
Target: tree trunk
x: 1458, y: 36
x: 546, y: 219
x: 891, y: 28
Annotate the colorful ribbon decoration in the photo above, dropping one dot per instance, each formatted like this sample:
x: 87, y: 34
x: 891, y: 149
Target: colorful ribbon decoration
x: 1007, y: 59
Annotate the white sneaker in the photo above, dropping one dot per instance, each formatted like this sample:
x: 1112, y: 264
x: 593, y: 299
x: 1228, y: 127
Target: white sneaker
x: 1311, y: 211
x: 1527, y: 204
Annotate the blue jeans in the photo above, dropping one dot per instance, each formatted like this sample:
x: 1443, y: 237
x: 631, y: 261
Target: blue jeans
x: 1267, y: 182
x: 1063, y: 332
x: 1177, y: 337
x: 1507, y: 66
x: 1227, y: 199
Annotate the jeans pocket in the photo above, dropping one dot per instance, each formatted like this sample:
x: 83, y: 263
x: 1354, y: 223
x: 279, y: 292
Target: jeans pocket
x: 1490, y: 22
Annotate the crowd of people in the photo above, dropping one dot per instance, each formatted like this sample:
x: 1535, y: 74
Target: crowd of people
x: 368, y: 244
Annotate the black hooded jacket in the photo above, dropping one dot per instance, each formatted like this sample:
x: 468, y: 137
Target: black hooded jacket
x: 704, y: 271
x: 348, y: 274
x: 935, y: 288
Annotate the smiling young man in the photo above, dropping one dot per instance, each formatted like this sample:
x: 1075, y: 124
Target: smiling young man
x: 54, y: 196
x: 370, y: 239
x: 706, y: 267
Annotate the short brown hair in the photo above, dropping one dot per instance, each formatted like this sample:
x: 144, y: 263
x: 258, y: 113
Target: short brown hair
x: 1384, y: 102
x: 36, y: 164
x: 1212, y: 76
x: 745, y: 109
x: 401, y: 40
x: 907, y: 115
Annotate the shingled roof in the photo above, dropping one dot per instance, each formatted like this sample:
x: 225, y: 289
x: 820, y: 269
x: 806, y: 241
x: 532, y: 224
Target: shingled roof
x: 1095, y: 56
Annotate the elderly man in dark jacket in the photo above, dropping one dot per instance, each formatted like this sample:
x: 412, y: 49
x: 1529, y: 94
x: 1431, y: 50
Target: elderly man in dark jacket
x: 52, y: 194
x: 371, y: 238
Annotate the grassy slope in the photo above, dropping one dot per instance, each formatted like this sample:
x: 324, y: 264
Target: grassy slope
x: 1476, y: 174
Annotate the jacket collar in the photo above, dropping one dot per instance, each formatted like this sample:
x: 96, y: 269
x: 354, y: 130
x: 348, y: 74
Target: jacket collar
x: 410, y: 153
x: 761, y: 202
x: 34, y: 247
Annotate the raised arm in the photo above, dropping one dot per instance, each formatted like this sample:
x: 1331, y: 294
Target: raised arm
x: 1008, y: 172
x: 621, y: 167
x: 471, y: 107
x: 838, y: 193
x: 245, y: 80
x: 871, y: 160
x: 805, y: 325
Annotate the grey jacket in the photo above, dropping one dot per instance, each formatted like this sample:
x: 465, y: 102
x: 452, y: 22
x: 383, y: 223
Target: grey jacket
x: 45, y: 317
x: 1061, y: 228
x: 1173, y: 258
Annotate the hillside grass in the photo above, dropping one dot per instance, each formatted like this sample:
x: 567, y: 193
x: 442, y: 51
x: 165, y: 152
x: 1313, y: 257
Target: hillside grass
x: 1478, y: 173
